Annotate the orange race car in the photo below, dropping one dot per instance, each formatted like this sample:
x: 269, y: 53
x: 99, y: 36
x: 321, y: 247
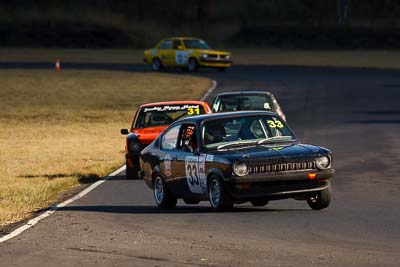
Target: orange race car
x: 151, y: 120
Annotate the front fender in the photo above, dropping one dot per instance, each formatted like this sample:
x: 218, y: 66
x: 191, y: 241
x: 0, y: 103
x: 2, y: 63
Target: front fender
x: 215, y: 171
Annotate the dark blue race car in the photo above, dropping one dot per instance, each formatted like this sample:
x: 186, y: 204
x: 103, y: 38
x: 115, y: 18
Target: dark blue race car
x: 235, y: 157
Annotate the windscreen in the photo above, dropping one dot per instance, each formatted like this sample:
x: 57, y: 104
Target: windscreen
x: 238, y: 131
x: 243, y: 102
x: 164, y: 115
x: 195, y: 44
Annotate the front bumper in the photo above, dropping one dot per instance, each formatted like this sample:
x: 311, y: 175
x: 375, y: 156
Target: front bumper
x: 215, y: 62
x: 277, y: 185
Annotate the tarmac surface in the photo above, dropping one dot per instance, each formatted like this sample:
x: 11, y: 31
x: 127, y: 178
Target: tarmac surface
x: 353, y: 112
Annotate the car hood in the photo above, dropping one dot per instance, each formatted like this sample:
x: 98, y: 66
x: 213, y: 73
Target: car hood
x: 272, y: 152
x: 147, y: 135
x: 211, y: 52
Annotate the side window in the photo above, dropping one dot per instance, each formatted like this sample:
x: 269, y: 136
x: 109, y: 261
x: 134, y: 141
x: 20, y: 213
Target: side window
x: 176, y: 44
x: 169, y: 138
x: 216, y: 105
x: 188, y: 138
x: 166, y: 45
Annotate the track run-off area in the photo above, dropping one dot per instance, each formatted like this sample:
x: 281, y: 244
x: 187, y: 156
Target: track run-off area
x: 354, y: 112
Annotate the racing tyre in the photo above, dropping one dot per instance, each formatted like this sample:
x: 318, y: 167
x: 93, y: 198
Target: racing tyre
x: 156, y: 65
x: 192, y: 65
x: 162, y: 195
x: 219, y: 198
x: 321, y: 199
x: 259, y: 202
x: 132, y: 173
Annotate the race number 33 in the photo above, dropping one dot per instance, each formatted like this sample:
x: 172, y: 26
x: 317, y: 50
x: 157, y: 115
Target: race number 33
x: 192, y: 175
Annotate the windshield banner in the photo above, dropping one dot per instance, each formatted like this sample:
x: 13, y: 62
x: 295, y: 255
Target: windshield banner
x: 170, y: 108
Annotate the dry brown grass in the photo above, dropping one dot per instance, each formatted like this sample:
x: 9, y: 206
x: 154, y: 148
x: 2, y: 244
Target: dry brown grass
x: 329, y: 58
x: 62, y: 129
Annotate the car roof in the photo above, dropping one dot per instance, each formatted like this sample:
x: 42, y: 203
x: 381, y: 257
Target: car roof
x: 181, y: 102
x: 183, y: 38
x: 245, y: 92
x: 204, y: 117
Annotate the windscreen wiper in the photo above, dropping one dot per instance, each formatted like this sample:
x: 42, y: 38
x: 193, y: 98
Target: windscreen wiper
x: 275, y: 138
x: 238, y: 143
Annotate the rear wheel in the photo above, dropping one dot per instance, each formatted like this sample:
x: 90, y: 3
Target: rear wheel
x: 162, y: 195
x: 192, y: 65
x: 220, y: 200
x: 156, y: 64
x: 259, y: 202
x: 321, y: 199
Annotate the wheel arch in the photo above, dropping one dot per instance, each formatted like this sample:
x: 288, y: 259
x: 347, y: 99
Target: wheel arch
x: 214, y: 171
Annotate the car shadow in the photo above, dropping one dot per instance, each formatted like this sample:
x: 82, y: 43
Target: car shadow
x: 149, y: 209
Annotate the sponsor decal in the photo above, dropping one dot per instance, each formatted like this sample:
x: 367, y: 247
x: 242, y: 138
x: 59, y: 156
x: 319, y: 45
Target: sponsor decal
x: 210, y: 158
x: 154, y: 52
x: 188, y: 108
x: 167, y: 165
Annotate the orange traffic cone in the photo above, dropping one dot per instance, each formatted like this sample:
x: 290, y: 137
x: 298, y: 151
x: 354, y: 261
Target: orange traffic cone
x: 58, y: 65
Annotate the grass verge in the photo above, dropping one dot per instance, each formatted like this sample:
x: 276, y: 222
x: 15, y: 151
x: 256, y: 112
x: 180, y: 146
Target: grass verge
x: 61, y: 129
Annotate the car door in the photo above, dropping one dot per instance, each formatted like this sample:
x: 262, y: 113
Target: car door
x: 169, y: 153
x: 179, y: 54
x: 166, y: 53
x: 192, y: 179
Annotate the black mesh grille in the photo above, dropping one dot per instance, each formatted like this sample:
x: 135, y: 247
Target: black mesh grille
x: 280, y: 167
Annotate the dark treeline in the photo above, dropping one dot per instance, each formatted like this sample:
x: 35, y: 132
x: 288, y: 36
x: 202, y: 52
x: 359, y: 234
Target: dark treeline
x: 140, y: 23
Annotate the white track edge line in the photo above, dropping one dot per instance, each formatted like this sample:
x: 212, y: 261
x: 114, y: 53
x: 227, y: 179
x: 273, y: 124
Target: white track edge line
x: 214, y: 85
x: 52, y: 209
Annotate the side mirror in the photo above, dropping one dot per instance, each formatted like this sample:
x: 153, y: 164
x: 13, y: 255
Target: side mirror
x: 124, y: 131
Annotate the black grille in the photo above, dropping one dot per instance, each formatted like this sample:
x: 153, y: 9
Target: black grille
x: 281, y: 167
x: 216, y: 56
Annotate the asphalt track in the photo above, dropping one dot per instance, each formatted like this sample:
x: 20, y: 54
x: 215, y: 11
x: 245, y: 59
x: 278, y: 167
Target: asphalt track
x: 354, y: 112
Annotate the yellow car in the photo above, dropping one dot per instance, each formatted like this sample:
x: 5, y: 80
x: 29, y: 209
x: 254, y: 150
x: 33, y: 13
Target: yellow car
x: 186, y: 53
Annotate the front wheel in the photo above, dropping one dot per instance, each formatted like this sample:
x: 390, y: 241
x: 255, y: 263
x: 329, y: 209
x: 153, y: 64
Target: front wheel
x: 220, y: 200
x: 192, y: 65
x: 321, y: 199
x: 162, y: 195
x: 156, y: 64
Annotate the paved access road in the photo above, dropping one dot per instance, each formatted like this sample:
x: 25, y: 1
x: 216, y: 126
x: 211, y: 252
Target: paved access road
x: 354, y: 112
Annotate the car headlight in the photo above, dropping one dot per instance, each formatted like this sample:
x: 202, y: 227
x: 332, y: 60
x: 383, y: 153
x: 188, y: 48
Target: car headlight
x: 323, y: 162
x: 204, y: 55
x: 134, y: 145
x: 240, y: 168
